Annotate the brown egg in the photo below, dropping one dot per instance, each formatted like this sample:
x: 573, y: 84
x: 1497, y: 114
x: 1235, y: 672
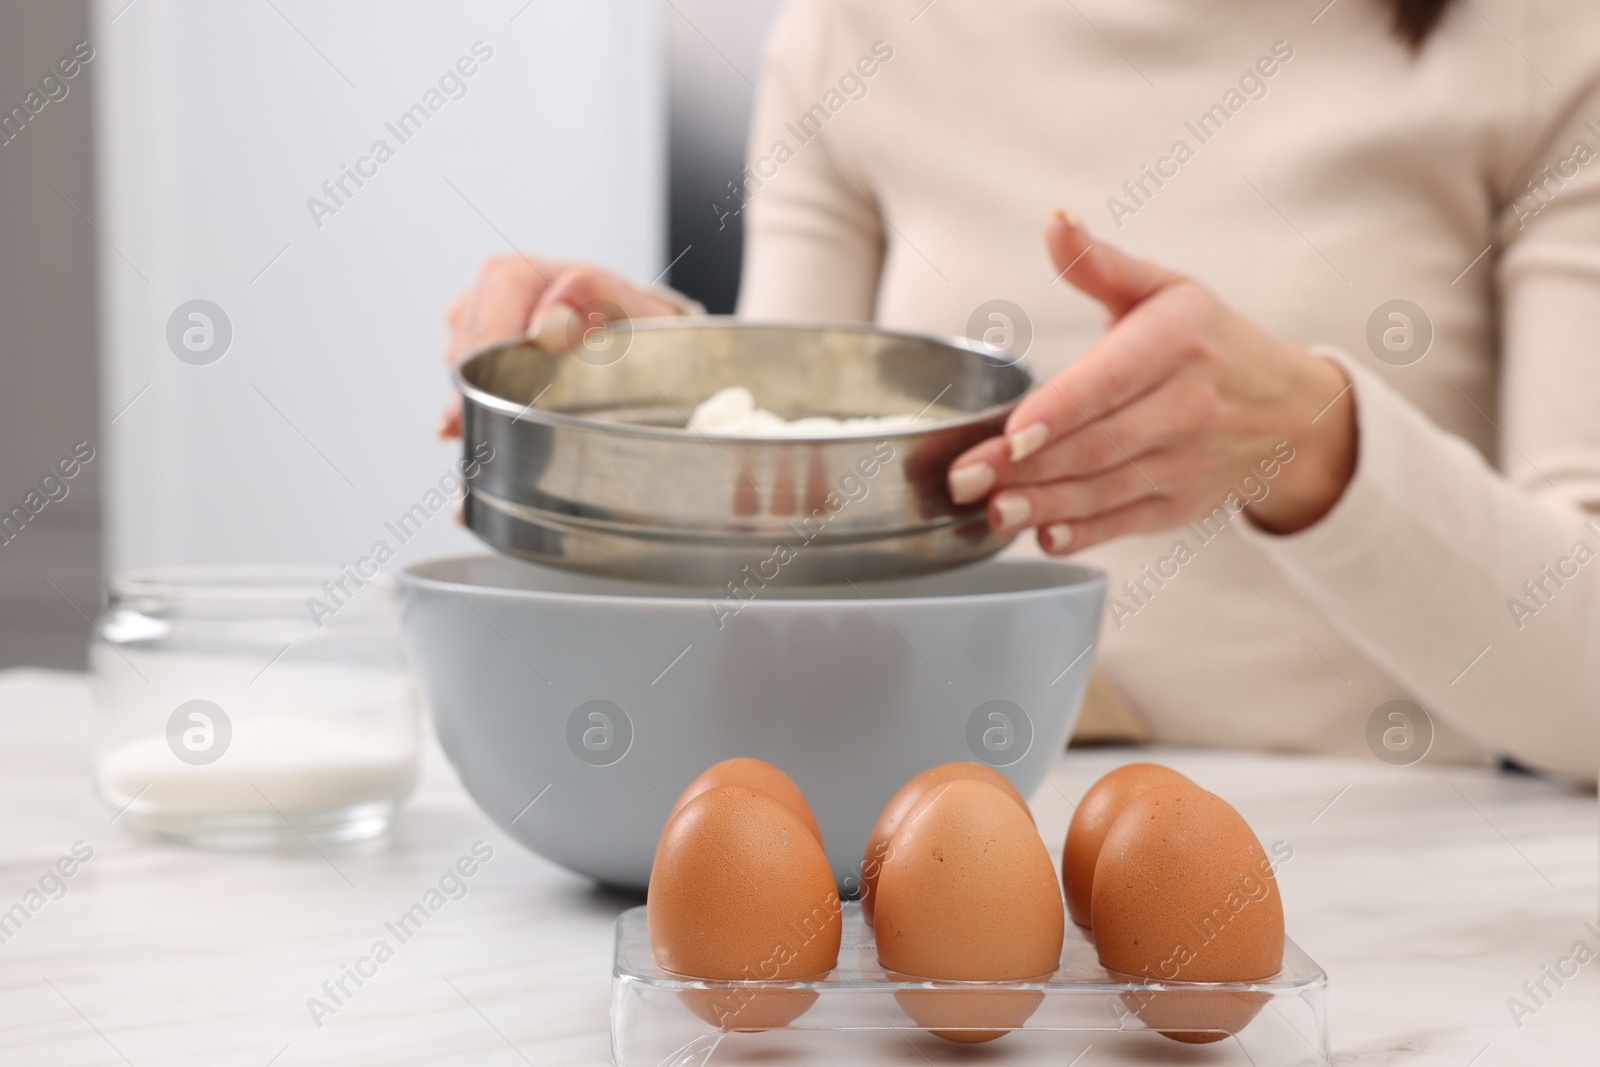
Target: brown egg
x: 741, y: 890
x: 1183, y: 892
x: 753, y: 774
x: 901, y: 804
x: 1096, y: 812
x: 967, y: 892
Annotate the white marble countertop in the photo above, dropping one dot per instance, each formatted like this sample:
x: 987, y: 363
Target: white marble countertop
x: 1429, y: 894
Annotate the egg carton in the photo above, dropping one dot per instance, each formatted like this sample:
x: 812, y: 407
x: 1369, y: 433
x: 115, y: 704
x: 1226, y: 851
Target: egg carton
x: 861, y: 1013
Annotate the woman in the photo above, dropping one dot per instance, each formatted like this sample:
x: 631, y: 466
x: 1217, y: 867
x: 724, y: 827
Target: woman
x: 1337, y: 278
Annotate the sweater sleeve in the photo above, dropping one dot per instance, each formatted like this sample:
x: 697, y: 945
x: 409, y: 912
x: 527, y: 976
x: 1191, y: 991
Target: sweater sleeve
x: 1477, y: 586
x: 813, y: 237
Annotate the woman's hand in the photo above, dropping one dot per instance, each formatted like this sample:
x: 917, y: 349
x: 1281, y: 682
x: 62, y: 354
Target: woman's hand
x: 1163, y: 417
x: 552, y: 302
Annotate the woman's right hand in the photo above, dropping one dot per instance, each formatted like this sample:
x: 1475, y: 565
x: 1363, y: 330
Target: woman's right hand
x: 550, y: 301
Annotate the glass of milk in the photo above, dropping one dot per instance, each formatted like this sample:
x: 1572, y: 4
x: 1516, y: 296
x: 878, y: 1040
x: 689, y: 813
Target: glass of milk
x: 251, y: 707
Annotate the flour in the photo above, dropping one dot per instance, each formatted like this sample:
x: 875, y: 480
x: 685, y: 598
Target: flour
x: 733, y: 411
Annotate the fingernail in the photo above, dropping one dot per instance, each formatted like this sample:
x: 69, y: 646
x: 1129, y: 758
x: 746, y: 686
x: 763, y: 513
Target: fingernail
x: 1014, y: 510
x: 970, y: 482
x: 1060, y: 537
x: 1067, y: 217
x: 1028, y: 440
x: 551, y: 330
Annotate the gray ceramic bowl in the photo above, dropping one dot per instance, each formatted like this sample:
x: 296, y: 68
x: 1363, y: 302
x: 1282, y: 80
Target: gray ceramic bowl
x: 576, y: 708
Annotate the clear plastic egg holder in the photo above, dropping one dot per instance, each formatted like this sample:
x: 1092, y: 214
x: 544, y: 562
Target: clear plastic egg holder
x: 854, y: 1015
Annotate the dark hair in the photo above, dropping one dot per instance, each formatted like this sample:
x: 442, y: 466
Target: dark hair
x: 1415, y: 19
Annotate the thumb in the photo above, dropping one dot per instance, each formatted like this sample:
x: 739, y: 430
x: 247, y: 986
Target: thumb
x: 1111, y: 276
x: 584, y: 297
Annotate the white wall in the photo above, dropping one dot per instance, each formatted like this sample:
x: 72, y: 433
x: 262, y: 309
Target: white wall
x: 216, y: 122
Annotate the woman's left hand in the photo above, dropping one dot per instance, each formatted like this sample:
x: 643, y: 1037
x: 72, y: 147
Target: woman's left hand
x: 1163, y: 417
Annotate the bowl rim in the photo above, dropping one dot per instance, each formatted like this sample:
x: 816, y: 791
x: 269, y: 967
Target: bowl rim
x: 500, y: 405
x: 1088, y: 578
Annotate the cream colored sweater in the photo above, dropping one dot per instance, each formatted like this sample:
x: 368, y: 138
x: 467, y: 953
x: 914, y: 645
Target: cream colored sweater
x: 905, y: 154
